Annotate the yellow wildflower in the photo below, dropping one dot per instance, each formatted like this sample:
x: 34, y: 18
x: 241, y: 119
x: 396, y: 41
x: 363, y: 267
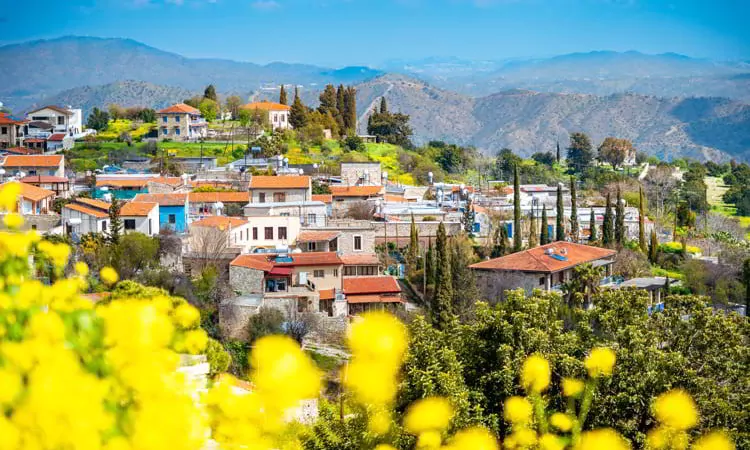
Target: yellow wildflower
x: 657, y: 439
x: 602, y: 439
x: 524, y: 437
x: 109, y: 275
x: 572, y: 387
x: 195, y: 341
x: 47, y: 326
x: 82, y: 268
x: 535, y: 374
x: 10, y: 386
x: 600, y: 362
x: 551, y: 442
x: 378, y: 336
x: 384, y: 447
x: 9, y: 435
x: 57, y: 253
x: 474, y: 438
x: 517, y: 410
x: 9, y: 196
x: 715, y: 440
x: 13, y: 220
x: 429, y: 439
x: 186, y: 315
x: 380, y: 421
x: 429, y: 414
x: 372, y: 384
x: 561, y: 421
x: 676, y: 409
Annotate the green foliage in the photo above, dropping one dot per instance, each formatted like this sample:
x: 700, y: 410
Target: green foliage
x: 615, y: 151
x: 239, y: 364
x: 390, y: 127
x: 98, y: 120
x: 267, y: 321
x: 608, y: 232
x: 544, y: 236
x: 546, y: 158
x: 560, y: 216
x: 210, y: 93
x: 209, y: 109
x: 353, y: 143
x: 443, y: 298
x: 593, y: 237
x: 115, y: 223
x: 580, y: 152
x: 218, y: 358
x: 320, y: 188
x: 298, y: 112
x: 463, y: 283
x: 517, y: 243
x: 619, y: 220
x: 133, y: 253
x: 232, y: 104
x: 573, y: 210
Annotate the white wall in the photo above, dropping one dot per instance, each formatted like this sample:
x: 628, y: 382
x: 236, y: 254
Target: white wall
x: 89, y: 224
x: 292, y: 225
x: 142, y: 223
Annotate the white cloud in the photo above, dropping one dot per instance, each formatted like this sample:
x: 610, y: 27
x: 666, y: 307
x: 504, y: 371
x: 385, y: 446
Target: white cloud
x: 266, y: 5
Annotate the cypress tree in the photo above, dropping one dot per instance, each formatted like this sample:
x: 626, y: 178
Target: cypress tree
x: 653, y: 248
x: 592, y: 227
x: 441, y: 302
x: 501, y: 241
x: 607, y: 231
x: 573, y: 210
x: 383, y: 106
x: 544, y: 233
x: 641, y: 221
x: 560, y: 225
x: 298, y: 112
x: 532, y: 230
x: 413, y: 252
x: 282, y: 95
x: 210, y: 92
x: 557, y: 156
x: 429, y: 264
x: 517, y: 243
x: 350, y: 116
x: 115, y: 223
x: 619, y: 220
x: 465, y: 291
x: 340, y: 107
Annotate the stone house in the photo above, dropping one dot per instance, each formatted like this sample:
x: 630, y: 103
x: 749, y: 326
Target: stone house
x: 346, y: 196
x: 546, y: 267
x: 285, y: 195
x: 181, y: 122
x: 361, y: 174
x: 345, y: 236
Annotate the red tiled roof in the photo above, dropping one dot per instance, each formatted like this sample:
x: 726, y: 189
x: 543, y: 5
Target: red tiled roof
x: 360, y: 259
x: 355, y: 191
x: 224, y: 197
x: 54, y: 108
x: 257, y: 262
x: 325, y: 198
x: 163, y: 199
x: 139, y: 182
x: 43, y: 179
x: 137, y: 209
x: 280, y: 182
x: 23, y: 150
x: 33, y: 160
x: 536, y: 259
x: 34, y: 193
x: 327, y: 294
x: 34, y: 140
x: 86, y: 210
x: 266, y: 106
x: 317, y: 236
x: 93, y: 202
x: 373, y: 298
x: 57, y: 137
x: 371, y: 285
x: 180, y: 108
x: 221, y: 222
x: 313, y: 259
x: 394, y: 198
x: 5, y: 119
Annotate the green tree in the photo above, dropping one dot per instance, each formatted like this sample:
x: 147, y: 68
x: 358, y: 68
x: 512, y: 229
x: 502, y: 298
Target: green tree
x: 443, y: 297
x: 383, y: 106
x: 517, y: 243
x: 467, y: 218
x: 132, y: 254
x: 210, y: 93
x: 653, y: 248
x: 580, y: 152
x: 412, y: 254
x: 429, y: 265
x: 340, y: 108
x: 608, y: 233
x: 98, y: 120
x: 115, y: 223
x: 350, y: 110
x: 544, y: 233
x: 746, y: 282
x: 532, y: 230
x: 574, y: 232
x: 209, y: 109
x: 583, y: 285
x: 298, y: 112
x: 557, y: 153
x: 232, y: 104
x: 267, y: 321
x: 641, y: 221
x: 592, y: 227
x: 393, y: 128
x: 500, y: 244
x: 560, y: 218
x: 615, y: 151
x: 328, y: 101
x: 620, y: 219
x: 464, y: 286
x: 282, y: 96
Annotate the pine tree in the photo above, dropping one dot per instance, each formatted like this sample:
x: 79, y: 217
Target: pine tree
x: 429, y: 264
x: 350, y: 110
x: 517, y: 243
x: 532, y: 230
x: 592, y: 227
x: 607, y: 231
x: 383, y: 106
x: 544, y: 233
x: 619, y: 220
x: 298, y: 112
x: 560, y: 222
x: 282, y: 95
x: 641, y: 221
x: 573, y: 210
x: 653, y: 248
x: 557, y: 156
x: 441, y: 302
x: 115, y: 223
x: 210, y: 92
x: 413, y: 251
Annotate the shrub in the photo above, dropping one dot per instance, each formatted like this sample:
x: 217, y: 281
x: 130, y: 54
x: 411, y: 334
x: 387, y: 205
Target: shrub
x: 218, y: 358
x: 267, y: 321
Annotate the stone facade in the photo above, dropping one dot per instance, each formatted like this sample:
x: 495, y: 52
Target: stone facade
x: 361, y: 174
x: 403, y: 229
x: 234, y: 315
x: 492, y: 284
x: 246, y: 281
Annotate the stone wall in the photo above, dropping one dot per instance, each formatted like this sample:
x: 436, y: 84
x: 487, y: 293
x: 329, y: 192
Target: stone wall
x: 42, y: 223
x: 246, y: 281
x: 492, y: 284
x: 351, y: 173
x: 234, y: 315
x: 425, y: 229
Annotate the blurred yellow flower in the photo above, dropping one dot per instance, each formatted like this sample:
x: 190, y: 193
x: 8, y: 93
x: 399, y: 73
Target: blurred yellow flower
x: 474, y: 438
x: 380, y: 421
x: 551, y: 442
x: 378, y: 336
x: 715, y: 440
x: 535, y: 374
x: 602, y: 439
x: 384, y: 447
x: 429, y: 439
x: 517, y: 410
x: 657, y: 438
x: 186, y: 315
x: 572, y: 387
x: 10, y: 386
x: 195, y: 341
x: 600, y: 362
x: 676, y: 409
x: 429, y: 414
x: 524, y: 437
x: 562, y: 422
x: 82, y: 268
x: 9, y: 196
x: 13, y: 220
x: 109, y: 275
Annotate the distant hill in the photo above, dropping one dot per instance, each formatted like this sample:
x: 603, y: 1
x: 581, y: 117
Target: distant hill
x: 527, y: 121
x: 46, y: 67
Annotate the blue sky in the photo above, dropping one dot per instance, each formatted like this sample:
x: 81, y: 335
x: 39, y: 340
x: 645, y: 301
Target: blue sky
x: 367, y: 32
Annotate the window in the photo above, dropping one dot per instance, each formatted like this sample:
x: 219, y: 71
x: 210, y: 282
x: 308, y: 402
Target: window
x: 268, y: 232
x: 130, y: 224
x: 177, y: 131
x: 335, y: 272
x: 279, y: 197
x: 177, y: 119
x: 283, y: 118
x: 255, y: 233
x: 164, y: 119
x: 104, y: 225
x: 357, y: 243
x: 275, y: 118
x: 312, y: 219
x: 261, y: 197
x: 284, y: 214
x: 5, y: 130
x: 61, y: 120
x: 172, y: 218
x: 350, y: 271
x: 282, y: 233
x: 149, y: 226
x: 541, y: 281
x: 165, y: 131
x: 247, y: 234
x: 319, y: 273
x: 312, y: 246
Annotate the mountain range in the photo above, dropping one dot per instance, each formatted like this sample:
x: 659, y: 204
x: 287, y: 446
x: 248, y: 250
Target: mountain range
x: 669, y: 105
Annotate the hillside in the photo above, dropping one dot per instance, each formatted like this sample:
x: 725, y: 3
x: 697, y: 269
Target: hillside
x: 526, y: 121
x: 82, y: 61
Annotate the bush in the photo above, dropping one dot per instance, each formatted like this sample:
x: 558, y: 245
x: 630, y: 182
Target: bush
x: 218, y: 358
x: 676, y: 247
x: 267, y: 321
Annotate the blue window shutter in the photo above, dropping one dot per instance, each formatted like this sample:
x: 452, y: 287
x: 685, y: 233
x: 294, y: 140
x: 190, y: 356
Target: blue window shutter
x: 509, y: 227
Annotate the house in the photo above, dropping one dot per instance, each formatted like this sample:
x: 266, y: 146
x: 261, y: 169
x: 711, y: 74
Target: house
x: 20, y: 151
x: 546, y: 267
x: 181, y: 122
x: 52, y: 165
x: 366, y: 293
x: 192, y: 164
x: 39, y: 130
x: 273, y: 232
x: 219, y: 233
x: 58, y: 142
x: 327, y: 199
x: 361, y: 265
x: 67, y: 121
x: 284, y: 195
x: 59, y: 185
x: 33, y: 200
x: 126, y: 187
x: 12, y: 131
x: 173, y: 210
x: 346, y: 196
x: 214, y: 203
x: 141, y: 217
x: 361, y: 174
x: 278, y: 114
x: 345, y: 236
x: 38, y: 145
x: 85, y: 215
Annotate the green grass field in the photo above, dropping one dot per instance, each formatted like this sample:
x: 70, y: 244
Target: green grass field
x: 716, y: 189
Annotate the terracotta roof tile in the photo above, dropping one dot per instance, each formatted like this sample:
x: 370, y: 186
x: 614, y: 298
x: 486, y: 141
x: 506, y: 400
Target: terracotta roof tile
x: 33, y: 160
x: 221, y: 222
x: 356, y: 191
x: 180, y: 108
x: 93, y: 202
x: 57, y: 137
x: 394, y: 198
x: 43, y: 179
x: 34, y: 193
x: 163, y: 199
x: 537, y: 260
x: 137, y: 209
x: 374, y: 298
x: 266, y: 106
x: 313, y: 259
x: 6, y: 119
x: 23, y: 150
x: 327, y: 294
x: 325, y: 198
x: 317, y: 236
x: 360, y: 259
x: 279, y: 182
x: 371, y: 285
x: 257, y: 262
x: 139, y: 182
x: 86, y: 210
x: 224, y: 197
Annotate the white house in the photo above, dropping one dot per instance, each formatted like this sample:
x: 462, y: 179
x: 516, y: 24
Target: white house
x: 53, y: 165
x: 85, y: 215
x: 246, y: 235
x: 141, y: 217
x: 278, y: 114
x: 33, y: 200
x: 63, y: 120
